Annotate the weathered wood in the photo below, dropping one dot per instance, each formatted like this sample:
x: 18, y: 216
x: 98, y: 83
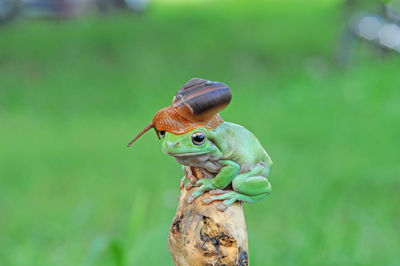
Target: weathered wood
x: 202, y: 235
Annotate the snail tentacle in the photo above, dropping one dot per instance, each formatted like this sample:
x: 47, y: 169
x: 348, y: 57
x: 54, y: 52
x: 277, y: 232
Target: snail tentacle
x: 147, y: 128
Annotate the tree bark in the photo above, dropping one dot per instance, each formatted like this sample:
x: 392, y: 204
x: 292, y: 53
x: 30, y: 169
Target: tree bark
x: 202, y: 235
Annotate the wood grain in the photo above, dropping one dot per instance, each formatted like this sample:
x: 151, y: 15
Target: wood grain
x: 202, y: 235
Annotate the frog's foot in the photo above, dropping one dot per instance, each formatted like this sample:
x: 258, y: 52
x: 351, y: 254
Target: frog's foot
x: 204, y: 184
x: 190, y: 177
x: 191, y: 182
x: 230, y: 197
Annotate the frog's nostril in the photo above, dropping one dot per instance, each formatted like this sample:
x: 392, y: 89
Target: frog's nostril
x: 177, y: 143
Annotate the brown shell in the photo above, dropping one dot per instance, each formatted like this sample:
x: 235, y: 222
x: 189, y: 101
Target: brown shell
x: 196, y: 104
x: 200, y: 99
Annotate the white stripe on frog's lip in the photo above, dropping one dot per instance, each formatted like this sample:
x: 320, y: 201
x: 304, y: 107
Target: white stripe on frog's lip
x: 186, y: 154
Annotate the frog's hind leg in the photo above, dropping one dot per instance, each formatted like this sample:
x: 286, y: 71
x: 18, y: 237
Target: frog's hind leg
x: 249, y: 187
x: 253, y: 182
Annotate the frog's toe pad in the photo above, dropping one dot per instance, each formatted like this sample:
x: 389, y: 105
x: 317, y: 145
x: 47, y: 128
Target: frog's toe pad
x: 190, y: 199
x: 207, y: 200
x: 222, y: 207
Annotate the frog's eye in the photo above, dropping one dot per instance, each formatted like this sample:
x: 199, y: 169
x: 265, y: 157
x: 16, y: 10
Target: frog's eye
x: 198, y: 138
x: 162, y: 134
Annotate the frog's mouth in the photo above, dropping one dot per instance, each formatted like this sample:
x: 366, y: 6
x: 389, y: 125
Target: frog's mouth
x: 186, y: 154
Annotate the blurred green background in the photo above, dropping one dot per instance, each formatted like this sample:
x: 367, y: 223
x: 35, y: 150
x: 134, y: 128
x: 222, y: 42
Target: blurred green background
x: 74, y: 92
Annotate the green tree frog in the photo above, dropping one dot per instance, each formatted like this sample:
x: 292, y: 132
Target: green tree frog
x: 233, y: 161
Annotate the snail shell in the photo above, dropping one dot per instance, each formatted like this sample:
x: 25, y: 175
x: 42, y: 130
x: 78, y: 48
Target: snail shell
x: 200, y: 99
x: 196, y: 104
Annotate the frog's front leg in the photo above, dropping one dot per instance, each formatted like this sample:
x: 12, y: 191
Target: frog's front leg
x: 250, y: 186
x: 229, y: 171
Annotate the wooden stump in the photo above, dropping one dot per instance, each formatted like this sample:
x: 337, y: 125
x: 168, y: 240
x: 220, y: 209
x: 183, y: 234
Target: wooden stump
x: 202, y: 235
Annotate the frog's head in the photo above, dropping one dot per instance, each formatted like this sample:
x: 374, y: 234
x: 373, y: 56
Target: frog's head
x: 195, y: 142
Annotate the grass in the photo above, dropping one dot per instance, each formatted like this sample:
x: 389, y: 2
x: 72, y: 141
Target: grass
x: 73, y: 93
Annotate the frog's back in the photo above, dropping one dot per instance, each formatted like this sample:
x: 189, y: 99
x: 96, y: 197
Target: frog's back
x: 242, y: 146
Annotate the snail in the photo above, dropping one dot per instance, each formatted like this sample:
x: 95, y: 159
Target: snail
x: 196, y: 104
x: 231, y: 158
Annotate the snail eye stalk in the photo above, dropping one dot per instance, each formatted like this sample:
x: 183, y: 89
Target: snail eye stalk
x: 162, y: 134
